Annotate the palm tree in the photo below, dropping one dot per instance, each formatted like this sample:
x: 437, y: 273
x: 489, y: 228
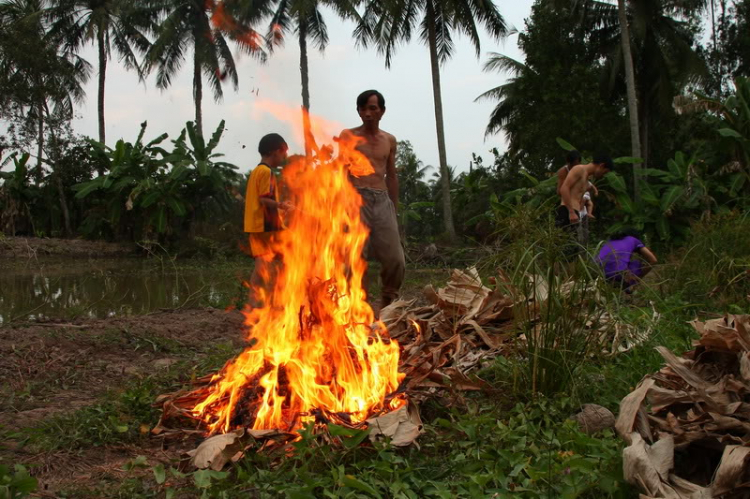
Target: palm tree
x: 661, y: 41
x: 38, y: 79
x: 506, y: 94
x: 386, y: 23
x: 304, y: 18
x: 188, y: 23
x: 119, y: 25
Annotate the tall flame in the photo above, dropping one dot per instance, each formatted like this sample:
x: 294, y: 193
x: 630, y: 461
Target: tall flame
x: 314, y: 348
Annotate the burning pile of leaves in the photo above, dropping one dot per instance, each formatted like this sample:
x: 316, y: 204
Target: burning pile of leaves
x: 688, y: 426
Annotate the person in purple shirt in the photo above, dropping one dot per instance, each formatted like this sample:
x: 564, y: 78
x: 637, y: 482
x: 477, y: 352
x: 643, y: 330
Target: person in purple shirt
x: 622, y: 259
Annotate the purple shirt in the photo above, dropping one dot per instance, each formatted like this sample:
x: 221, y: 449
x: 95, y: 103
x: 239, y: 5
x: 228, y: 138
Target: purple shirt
x: 615, y: 256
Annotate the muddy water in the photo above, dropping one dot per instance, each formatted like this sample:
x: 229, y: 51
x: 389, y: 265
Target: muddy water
x: 107, y: 288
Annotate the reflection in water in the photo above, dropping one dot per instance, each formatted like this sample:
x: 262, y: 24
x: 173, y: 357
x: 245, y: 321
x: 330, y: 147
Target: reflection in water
x: 113, y: 287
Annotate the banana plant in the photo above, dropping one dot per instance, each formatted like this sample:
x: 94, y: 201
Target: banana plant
x: 132, y: 169
x: 731, y: 118
x: 17, y: 192
x: 146, y: 187
x: 210, y: 179
x: 669, y: 198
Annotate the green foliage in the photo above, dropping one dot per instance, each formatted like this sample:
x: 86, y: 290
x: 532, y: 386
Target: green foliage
x: 35, y: 70
x: 671, y: 199
x: 555, y: 89
x: 17, y: 194
x: 560, y: 302
x: 17, y: 483
x: 149, y: 189
x: 117, y: 419
x: 529, y: 451
x: 714, y: 267
x: 729, y: 50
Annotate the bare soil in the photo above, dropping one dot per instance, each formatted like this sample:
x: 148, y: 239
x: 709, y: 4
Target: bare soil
x: 51, y: 368
x: 34, y: 247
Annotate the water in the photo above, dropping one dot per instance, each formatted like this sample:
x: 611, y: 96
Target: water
x: 106, y: 288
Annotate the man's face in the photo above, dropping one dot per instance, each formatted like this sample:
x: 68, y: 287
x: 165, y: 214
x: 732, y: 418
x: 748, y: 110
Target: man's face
x: 371, y: 112
x: 281, y: 154
x: 601, y: 170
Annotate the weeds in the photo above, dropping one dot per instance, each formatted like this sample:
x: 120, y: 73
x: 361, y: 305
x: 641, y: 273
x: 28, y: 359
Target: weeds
x: 715, y: 264
x: 16, y: 483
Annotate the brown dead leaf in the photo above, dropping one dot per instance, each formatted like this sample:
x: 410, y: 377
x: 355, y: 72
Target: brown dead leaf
x: 403, y: 426
x: 216, y: 451
x: 648, y: 466
x: 629, y: 408
x: 731, y: 474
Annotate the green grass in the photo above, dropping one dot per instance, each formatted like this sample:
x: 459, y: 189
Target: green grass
x: 124, y: 415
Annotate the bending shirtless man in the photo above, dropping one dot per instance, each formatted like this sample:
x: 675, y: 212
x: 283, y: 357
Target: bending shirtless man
x: 575, y: 185
x: 379, y: 191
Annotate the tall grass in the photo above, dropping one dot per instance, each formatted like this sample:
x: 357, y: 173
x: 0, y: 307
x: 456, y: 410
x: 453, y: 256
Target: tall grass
x: 561, y: 305
x: 714, y: 266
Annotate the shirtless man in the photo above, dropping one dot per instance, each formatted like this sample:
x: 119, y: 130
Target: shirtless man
x: 575, y: 185
x: 572, y: 160
x: 379, y: 191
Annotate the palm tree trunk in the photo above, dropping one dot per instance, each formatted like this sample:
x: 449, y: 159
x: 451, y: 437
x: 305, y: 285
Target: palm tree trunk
x: 197, y: 91
x: 304, y: 73
x: 39, y: 176
x: 102, y: 77
x: 713, y: 22
x: 436, y: 93
x: 58, y: 181
x: 635, y: 138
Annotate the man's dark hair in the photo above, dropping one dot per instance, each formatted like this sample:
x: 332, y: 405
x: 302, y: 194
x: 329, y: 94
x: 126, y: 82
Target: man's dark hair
x: 573, y: 157
x: 604, y: 159
x: 365, y: 96
x: 270, y: 143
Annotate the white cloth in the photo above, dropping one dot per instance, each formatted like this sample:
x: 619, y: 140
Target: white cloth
x: 584, y: 211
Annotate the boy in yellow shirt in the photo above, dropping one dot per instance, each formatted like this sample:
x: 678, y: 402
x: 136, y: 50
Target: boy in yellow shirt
x: 262, y: 208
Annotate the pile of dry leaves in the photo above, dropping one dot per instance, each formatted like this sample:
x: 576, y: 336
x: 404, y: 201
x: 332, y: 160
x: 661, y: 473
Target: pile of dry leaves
x: 688, y: 426
x: 466, y: 324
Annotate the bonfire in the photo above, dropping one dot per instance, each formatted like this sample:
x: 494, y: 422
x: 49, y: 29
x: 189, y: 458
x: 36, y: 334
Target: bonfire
x: 316, y: 353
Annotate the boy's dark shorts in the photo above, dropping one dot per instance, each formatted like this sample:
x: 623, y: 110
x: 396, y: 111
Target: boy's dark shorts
x: 562, y: 220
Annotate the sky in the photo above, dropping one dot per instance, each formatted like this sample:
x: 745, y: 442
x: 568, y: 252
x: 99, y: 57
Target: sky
x: 337, y: 76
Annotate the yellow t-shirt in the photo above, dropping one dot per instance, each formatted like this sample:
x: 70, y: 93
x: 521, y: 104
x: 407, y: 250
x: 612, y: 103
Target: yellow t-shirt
x: 261, y: 184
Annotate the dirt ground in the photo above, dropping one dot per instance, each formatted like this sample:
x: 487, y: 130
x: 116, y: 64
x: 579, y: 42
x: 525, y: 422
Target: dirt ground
x: 52, y: 368
x: 34, y: 247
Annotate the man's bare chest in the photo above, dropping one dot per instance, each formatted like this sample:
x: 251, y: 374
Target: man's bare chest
x: 377, y: 151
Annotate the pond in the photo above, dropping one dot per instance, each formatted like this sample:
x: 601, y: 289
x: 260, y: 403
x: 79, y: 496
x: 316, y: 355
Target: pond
x: 39, y: 289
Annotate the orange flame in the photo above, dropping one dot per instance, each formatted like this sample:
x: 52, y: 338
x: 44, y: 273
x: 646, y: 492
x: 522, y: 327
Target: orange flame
x: 221, y: 20
x: 315, y: 349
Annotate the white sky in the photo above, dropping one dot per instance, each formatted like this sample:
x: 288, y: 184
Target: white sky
x: 336, y: 78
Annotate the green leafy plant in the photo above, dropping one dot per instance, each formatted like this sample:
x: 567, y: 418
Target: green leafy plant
x: 148, y: 188
x: 17, y: 194
x: 16, y: 483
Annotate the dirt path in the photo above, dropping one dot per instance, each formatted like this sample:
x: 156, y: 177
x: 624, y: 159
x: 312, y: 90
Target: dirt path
x: 34, y: 247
